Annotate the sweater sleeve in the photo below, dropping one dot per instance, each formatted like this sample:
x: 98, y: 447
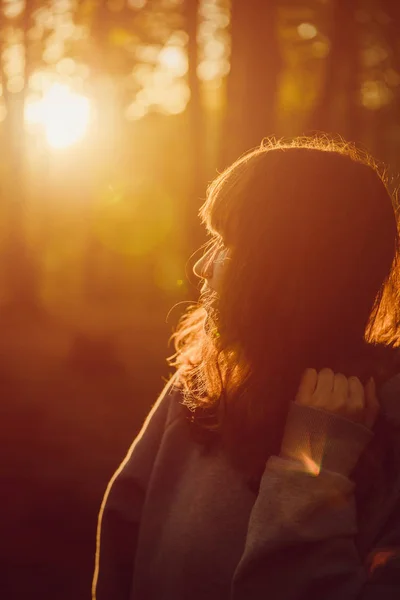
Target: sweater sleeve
x: 119, y: 516
x: 300, y: 542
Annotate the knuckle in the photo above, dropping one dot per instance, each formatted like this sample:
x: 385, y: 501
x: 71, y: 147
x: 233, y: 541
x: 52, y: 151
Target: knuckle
x: 354, y: 381
x: 326, y: 372
x: 340, y: 379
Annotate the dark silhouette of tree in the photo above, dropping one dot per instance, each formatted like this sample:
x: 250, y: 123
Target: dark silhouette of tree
x: 20, y: 266
x: 253, y: 80
x: 337, y: 109
x: 384, y: 24
x: 196, y: 125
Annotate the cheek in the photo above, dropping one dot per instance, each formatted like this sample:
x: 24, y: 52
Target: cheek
x: 218, y: 272
x: 220, y: 266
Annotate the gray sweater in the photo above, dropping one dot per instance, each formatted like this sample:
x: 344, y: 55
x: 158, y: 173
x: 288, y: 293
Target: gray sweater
x: 177, y: 524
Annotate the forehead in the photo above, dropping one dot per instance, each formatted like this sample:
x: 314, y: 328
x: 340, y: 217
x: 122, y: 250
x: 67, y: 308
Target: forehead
x: 225, y: 199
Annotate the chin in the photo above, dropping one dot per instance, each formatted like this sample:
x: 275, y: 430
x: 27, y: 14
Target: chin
x: 211, y: 320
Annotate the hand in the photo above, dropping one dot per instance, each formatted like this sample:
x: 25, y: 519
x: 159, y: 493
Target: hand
x: 341, y: 395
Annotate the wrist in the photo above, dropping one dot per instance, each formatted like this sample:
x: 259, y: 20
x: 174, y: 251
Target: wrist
x: 322, y: 440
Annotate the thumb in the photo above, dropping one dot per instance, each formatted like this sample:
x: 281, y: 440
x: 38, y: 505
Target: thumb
x: 372, y: 406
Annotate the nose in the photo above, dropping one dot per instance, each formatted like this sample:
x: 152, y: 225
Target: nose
x: 203, y: 267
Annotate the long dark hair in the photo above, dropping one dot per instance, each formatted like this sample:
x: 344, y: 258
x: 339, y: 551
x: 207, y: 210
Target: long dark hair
x: 312, y: 282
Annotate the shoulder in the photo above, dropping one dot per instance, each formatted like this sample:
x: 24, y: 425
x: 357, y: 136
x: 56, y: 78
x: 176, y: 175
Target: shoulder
x: 176, y: 408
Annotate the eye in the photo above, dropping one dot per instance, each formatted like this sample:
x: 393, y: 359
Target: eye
x: 221, y: 255
x: 216, y: 251
x: 216, y: 245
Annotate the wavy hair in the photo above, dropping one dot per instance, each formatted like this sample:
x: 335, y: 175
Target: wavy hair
x: 312, y: 282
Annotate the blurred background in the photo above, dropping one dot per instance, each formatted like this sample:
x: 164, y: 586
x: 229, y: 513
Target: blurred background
x: 114, y: 116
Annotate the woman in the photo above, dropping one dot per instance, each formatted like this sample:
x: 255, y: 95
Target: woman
x: 254, y: 475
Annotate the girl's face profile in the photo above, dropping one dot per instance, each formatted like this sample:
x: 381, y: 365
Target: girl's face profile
x: 211, y: 267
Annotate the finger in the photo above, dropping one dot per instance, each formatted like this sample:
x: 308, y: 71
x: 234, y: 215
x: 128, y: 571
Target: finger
x: 324, y: 386
x: 372, y: 406
x: 339, y: 397
x: 307, y: 386
x: 356, y: 400
x: 340, y: 387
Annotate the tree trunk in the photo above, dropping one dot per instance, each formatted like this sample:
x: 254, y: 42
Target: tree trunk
x: 196, y: 190
x: 388, y: 116
x: 253, y: 81
x: 337, y: 110
x: 19, y: 262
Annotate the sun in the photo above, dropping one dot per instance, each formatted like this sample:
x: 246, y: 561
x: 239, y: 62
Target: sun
x: 63, y: 114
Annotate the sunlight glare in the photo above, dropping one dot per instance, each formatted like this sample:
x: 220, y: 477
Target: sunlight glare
x: 64, y: 115
x: 312, y: 467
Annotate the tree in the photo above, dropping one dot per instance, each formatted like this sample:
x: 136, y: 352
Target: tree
x: 253, y: 81
x: 337, y: 109
x: 383, y: 74
x: 196, y: 130
x: 19, y: 264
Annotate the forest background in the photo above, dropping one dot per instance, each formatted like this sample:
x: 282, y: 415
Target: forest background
x: 114, y: 117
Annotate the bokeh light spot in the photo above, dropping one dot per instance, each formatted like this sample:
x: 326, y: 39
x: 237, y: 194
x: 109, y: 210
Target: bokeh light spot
x: 375, y: 94
x: 374, y: 56
x: 53, y: 52
x: 178, y: 38
x: 15, y: 84
x: 63, y: 6
x: 13, y: 57
x: 135, y: 111
x: 175, y: 59
x: 39, y: 81
x: 175, y: 99
x: 142, y: 74
x: 66, y: 66
x: 136, y: 4
x: 212, y: 69
x: 215, y: 49
x: 147, y: 53
x: 67, y: 30
x: 13, y: 8
x: 82, y: 71
x: 206, y: 31
x: 307, y: 31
